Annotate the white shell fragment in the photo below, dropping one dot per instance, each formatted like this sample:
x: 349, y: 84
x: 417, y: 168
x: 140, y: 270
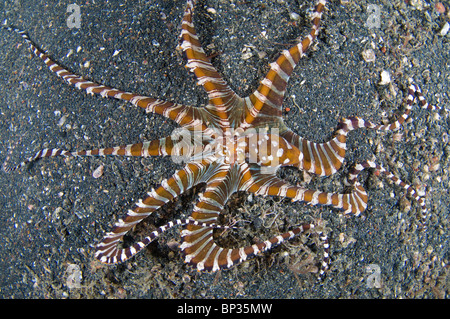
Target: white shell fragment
x: 69, y: 53
x: 385, y: 78
x: 98, y: 171
x: 444, y: 29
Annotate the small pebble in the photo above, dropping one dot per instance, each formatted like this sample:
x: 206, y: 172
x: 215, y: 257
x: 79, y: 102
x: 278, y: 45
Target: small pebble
x: 368, y: 55
x: 418, y: 4
x: 294, y: 16
x: 439, y: 7
x: 405, y: 204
